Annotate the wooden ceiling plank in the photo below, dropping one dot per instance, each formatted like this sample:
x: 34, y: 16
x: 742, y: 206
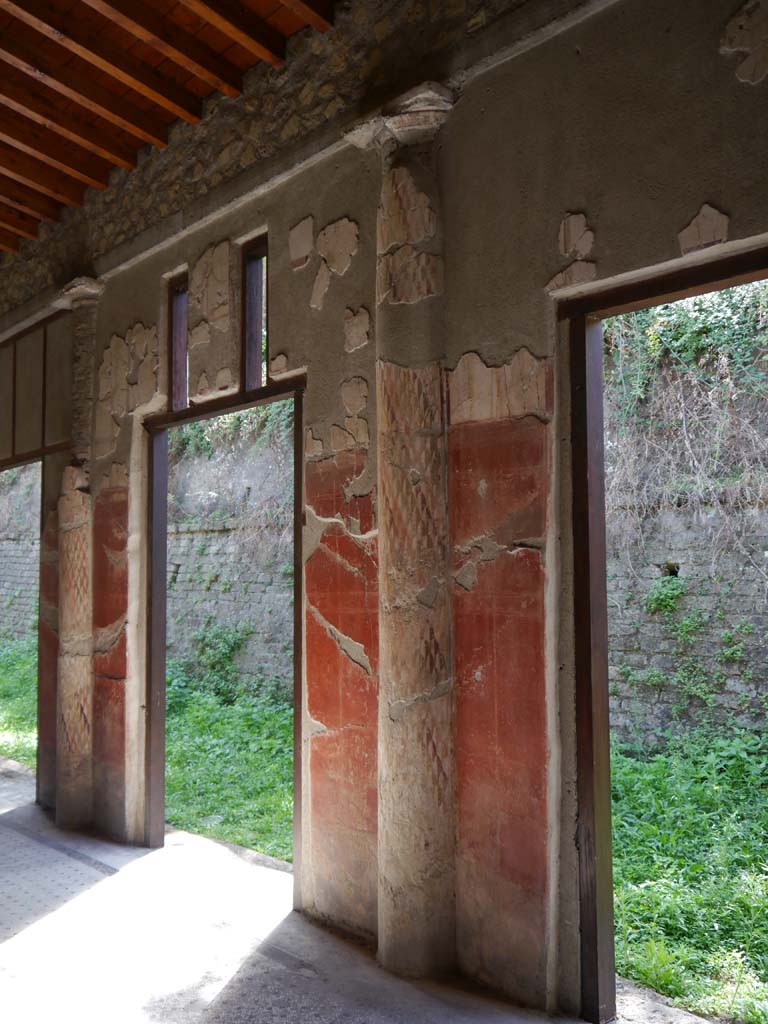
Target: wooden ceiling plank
x: 27, y: 200
x: 317, y: 13
x: 75, y: 81
x: 33, y: 102
x: 30, y: 172
x: 92, y: 47
x: 19, y: 223
x: 43, y: 145
x: 8, y: 242
x: 173, y: 42
x: 243, y: 26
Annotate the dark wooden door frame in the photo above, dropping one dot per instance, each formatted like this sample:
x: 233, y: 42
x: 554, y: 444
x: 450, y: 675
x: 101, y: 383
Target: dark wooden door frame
x: 583, y: 316
x: 157, y: 428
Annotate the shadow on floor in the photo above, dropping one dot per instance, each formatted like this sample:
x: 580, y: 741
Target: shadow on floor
x: 302, y: 973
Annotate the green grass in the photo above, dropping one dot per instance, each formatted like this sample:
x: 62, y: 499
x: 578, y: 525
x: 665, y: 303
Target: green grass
x: 233, y: 762
x: 18, y: 700
x: 691, y: 872
x: 229, y: 757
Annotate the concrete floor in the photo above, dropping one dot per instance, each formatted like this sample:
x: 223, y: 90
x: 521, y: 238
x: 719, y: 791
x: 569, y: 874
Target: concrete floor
x: 199, y: 931
x: 91, y: 931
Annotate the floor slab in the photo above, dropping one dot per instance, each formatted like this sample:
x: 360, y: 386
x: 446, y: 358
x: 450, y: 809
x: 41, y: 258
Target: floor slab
x: 196, y: 933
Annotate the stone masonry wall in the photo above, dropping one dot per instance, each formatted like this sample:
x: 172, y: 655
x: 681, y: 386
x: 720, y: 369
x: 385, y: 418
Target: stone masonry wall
x: 210, y: 582
x: 706, y: 660
x: 230, y: 553
x: 19, y: 550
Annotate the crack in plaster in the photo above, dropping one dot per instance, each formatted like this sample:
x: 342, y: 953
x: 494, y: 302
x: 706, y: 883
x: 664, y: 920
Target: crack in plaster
x: 397, y: 709
x: 353, y: 650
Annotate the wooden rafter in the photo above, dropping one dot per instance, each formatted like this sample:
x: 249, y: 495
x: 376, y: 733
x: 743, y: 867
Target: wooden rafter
x: 75, y: 81
x: 173, y: 42
x: 41, y: 143
x: 243, y: 27
x: 8, y: 242
x: 25, y: 97
x: 30, y: 172
x: 19, y: 223
x: 92, y: 47
x: 317, y: 13
x: 83, y: 83
x: 26, y: 199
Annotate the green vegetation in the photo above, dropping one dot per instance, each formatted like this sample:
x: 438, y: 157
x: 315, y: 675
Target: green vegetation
x: 18, y: 700
x: 264, y: 424
x: 691, y: 872
x: 229, y: 766
x: 229, y: 748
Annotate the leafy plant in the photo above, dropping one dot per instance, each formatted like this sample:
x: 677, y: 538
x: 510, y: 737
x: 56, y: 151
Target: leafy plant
x: 691, y: 871
x: 665, y: 595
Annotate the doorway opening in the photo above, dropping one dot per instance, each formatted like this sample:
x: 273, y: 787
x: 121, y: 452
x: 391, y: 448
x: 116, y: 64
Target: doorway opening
x: 227, y: 579
x: 19, y: 611
x: 670, y: 444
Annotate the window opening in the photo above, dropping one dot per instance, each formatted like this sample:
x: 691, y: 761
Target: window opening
x: 179, y: 347
x: 255, y: 315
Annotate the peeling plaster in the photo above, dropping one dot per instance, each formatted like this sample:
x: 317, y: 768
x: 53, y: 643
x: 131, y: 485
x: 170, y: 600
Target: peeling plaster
x: 747, y: 32
x: 575, y: 239
x: 341, y: 439
x: 321, y: 286
x: 353, y: 650
x: 407, y: 276
x: 313, y: 446
x: 337, y: 244
x: 479, y: 392
x: 708, y: 227
x: 429, y: 594
x: 301, y: 242
x: 405, y: 213
x: 357, y: 327
x: 212, y: 348
x: 127, y: 382
x: 354, y: 394
x: 398, y: 708
x: 466, y: 577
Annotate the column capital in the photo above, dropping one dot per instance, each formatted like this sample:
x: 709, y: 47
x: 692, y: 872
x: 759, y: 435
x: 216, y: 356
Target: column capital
x: 414, y: 118
x: 80, y: 291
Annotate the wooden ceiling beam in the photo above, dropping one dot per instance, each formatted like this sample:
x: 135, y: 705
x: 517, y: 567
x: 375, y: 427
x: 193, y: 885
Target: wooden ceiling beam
x: 27, y: 200
x: 173, y: 42
x: 43, y: 145
x: 317, y: 13
x: 91, y: 46
x: 31, y: 172
x: 19, y: 223
x: 75, y: 81
x: 35, y: 103
x: 8, y: 242
x: 243, y: 27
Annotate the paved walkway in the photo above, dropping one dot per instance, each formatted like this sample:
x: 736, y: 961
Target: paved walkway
x: 196, y: 933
